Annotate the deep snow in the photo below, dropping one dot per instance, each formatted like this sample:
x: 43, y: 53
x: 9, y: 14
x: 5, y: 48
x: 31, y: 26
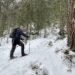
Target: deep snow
x: 42, y: 60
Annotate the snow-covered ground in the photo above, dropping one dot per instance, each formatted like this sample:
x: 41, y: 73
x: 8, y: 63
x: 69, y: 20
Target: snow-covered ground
x: 42, y: 60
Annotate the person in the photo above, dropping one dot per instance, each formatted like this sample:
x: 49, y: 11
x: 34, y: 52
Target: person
x: 16, y: 40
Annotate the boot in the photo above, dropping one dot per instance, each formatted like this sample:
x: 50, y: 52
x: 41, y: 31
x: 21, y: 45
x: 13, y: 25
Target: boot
x: 12, y: 57
x: 24, y: 54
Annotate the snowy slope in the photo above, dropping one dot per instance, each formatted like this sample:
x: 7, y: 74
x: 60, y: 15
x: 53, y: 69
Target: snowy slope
x: 42, y: 59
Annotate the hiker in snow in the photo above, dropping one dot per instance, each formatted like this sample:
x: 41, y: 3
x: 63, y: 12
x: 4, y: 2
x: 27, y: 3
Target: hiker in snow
x: 16, y: 40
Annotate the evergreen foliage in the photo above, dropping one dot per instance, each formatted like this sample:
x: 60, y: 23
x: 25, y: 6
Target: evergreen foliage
x: 41, y: 13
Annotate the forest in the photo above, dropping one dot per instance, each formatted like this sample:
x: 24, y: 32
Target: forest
x: 46, y: 43
x: 40, y: 13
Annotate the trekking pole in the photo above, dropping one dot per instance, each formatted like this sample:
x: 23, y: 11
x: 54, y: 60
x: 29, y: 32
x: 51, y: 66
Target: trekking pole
x: 29, y: 47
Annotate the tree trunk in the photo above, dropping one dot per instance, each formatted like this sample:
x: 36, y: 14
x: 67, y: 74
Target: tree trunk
x: 61, y: 22
x: 71, y: 24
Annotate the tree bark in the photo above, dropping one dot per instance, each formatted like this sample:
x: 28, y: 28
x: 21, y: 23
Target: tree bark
x: 71, y: 24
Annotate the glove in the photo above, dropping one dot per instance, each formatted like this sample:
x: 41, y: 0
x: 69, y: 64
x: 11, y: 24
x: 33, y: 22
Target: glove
x: 28, y: 37
x: 21, y: 38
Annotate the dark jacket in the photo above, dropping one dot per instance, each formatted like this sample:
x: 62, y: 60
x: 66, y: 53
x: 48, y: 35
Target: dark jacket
x: 18, y: 33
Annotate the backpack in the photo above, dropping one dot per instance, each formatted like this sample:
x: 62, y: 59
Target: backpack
x: 12, y: 34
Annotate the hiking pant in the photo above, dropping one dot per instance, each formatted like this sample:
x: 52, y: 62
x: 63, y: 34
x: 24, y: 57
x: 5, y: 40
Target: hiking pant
x: 20, y: 43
